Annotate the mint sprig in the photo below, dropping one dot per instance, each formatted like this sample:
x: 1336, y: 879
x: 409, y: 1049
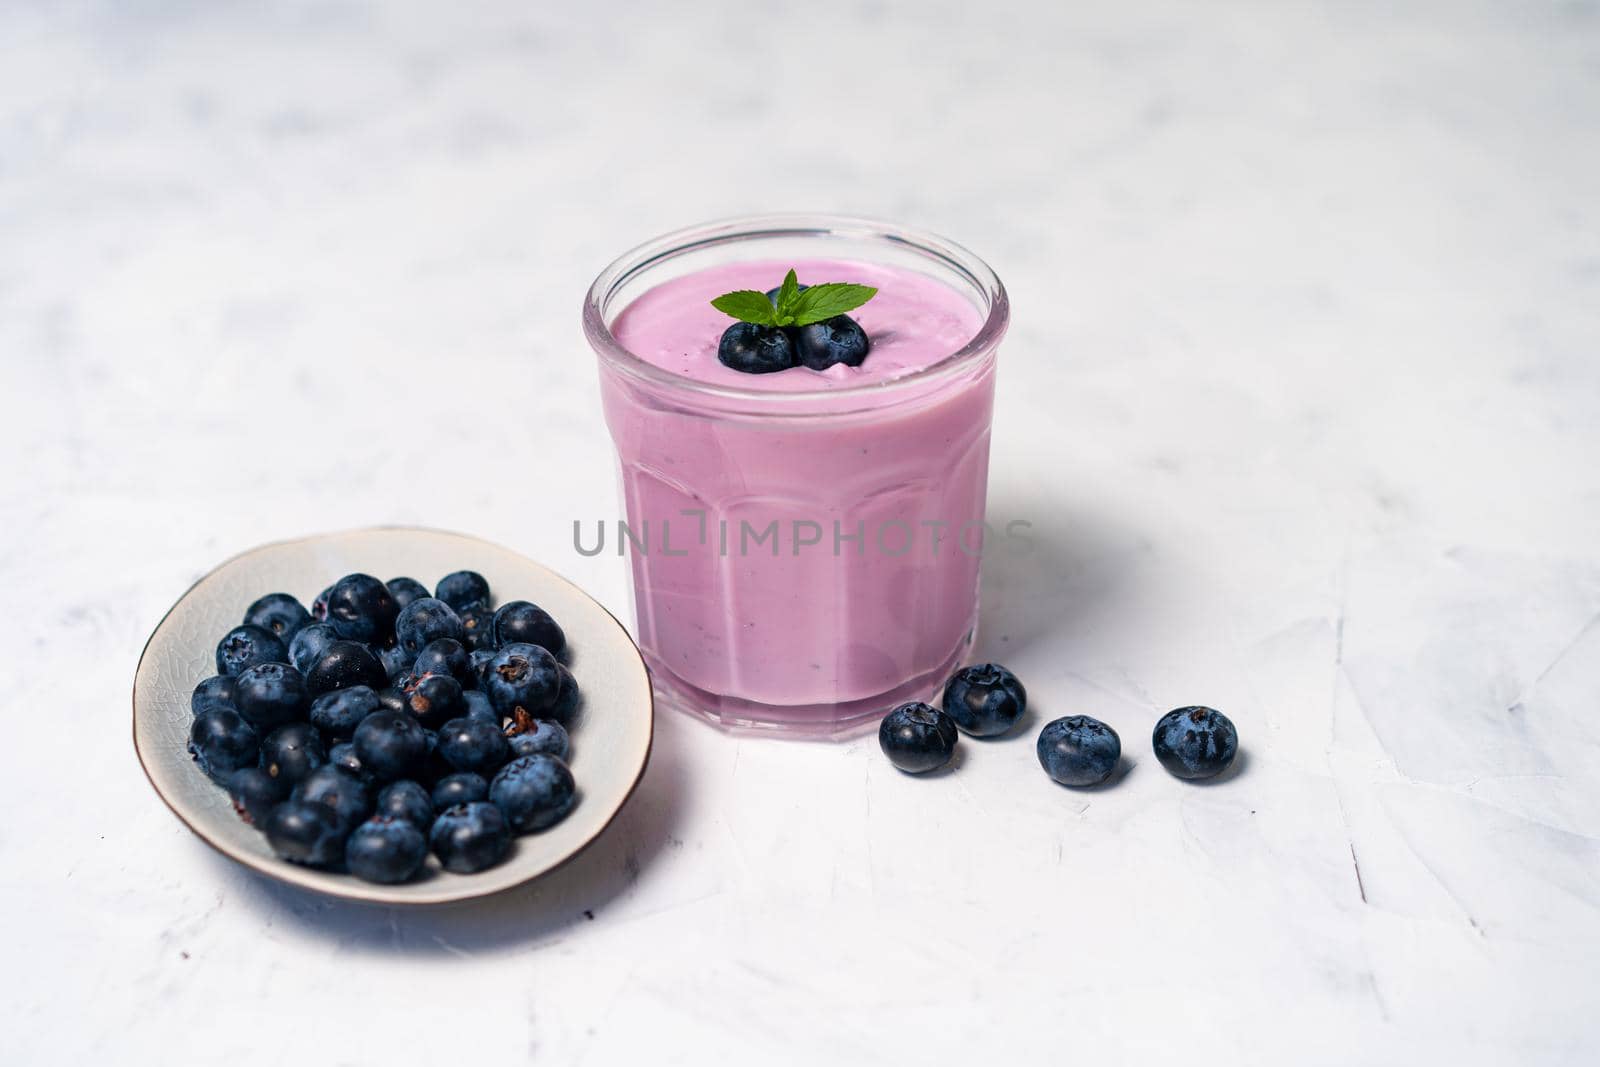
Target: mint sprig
x: 794, y: 307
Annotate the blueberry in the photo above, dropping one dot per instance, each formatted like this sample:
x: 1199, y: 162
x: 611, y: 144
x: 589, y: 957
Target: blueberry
x: 214, y: 692
x: 254, y: 793
x: 567, y: 698
x: 390, y: 745
x: 445, y: 655
x: 755, y: 349
x: 406, y: 799
x: 985, y: 699
x: 303, y: 831
x: 917, y: 738
x: 280, y: 613
x: 474, y: 745
x: 477, y: 628
x: 1195, y: 742
x: 405, y: 590
x: 424, y: 620
x: 343, y: 756
x: 269, y: 694
x: 535, y: 792
x: 221, y: 741
x: 361, y: 609
x: 478, y: 707
x: 837, y: 340
x: 337, y: 714
x: 396, y: 661
x: 393, y: 698
x: 435, y: 699
x: 1078, y: 750
x: 290, y: 753
x: 310, y: 644
x: 245, y: 646
x: 385, y: 850
x: 463, y: 589
x: 523, y: 676
x: 479, y: 659
x: 434, y: 766
x: 345, y: 664
x: 462, y: 787
x: 545, y: 736
x: 338, y: 790
x: 470, y: 837
x: 319, y: 606
x: 520, y: 622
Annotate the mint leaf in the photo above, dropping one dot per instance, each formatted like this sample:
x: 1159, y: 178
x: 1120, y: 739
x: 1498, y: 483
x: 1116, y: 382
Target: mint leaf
x: 794, y: 304
x: 747, y: 305
x: 787, y: 293
x: 825, y: 301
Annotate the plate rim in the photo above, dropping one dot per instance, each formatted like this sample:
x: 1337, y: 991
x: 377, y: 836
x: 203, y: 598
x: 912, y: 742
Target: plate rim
x: 359, y: 892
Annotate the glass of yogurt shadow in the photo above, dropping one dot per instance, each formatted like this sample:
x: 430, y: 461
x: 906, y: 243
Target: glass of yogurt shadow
x: 805, y: 544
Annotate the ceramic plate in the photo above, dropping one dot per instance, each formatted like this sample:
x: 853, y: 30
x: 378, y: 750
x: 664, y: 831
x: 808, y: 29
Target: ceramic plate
x: 610, y: 735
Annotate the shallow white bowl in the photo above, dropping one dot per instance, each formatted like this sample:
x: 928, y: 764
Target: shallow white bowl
x: 610, y: 735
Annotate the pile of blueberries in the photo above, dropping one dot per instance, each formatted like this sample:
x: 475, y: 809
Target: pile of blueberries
x: 756, y: 349
x: 385, y: 722
x: 986, y: 700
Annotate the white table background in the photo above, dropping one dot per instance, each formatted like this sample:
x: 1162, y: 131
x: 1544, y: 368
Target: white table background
x: 1302, y: 397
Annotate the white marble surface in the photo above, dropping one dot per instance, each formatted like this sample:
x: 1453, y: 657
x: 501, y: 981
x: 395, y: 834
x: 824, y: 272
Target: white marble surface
x: 1303, y: 397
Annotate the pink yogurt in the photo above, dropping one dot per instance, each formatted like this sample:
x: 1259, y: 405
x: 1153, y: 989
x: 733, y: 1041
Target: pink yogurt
x: 806, y: 542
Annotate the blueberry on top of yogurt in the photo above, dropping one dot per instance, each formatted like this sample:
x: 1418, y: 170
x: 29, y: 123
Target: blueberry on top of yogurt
x: 793, y: 325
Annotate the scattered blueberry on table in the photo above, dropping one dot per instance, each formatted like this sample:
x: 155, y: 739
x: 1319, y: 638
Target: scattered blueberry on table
x: 1195, y: 742
x: 1079, y: 751
x: 387, y: 721
x: 984, y: 700
x: 917, y: 738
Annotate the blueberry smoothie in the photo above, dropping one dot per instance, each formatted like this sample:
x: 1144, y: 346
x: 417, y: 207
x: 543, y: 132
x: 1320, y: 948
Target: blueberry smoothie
x: 804, y: 504
x: 913, y: 322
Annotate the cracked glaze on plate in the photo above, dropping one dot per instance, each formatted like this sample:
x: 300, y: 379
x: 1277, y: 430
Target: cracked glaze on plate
x: 610, y: 735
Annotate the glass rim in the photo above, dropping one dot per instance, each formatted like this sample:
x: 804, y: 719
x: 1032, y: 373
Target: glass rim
x: 978, y: 274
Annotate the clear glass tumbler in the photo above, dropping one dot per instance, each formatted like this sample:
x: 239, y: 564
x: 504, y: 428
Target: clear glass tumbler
x: 802, y: 561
